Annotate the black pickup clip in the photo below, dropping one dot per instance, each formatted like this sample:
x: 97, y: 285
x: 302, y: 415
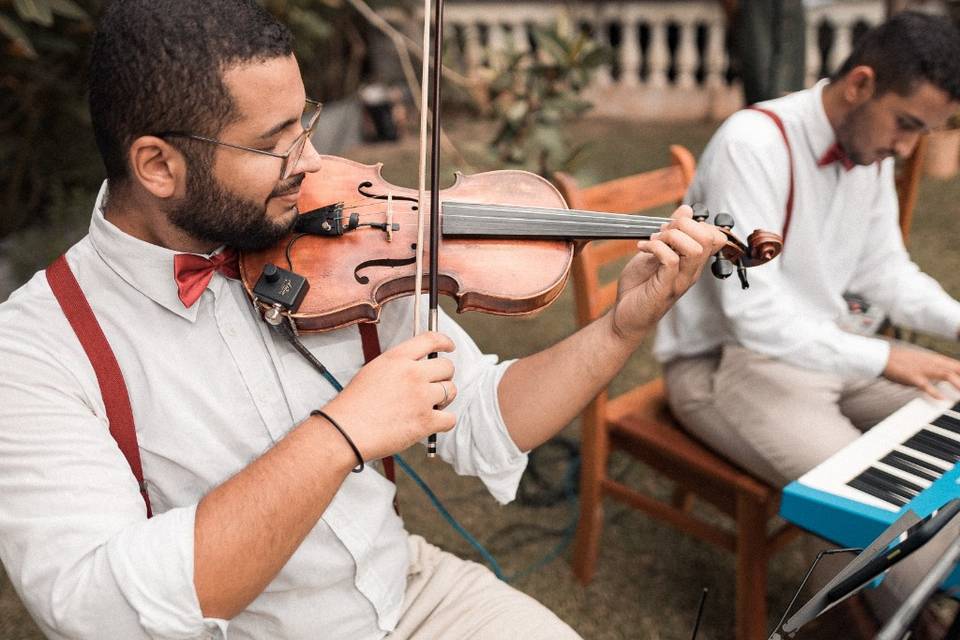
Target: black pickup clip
x: 281, y: 288
x: 326, y: 221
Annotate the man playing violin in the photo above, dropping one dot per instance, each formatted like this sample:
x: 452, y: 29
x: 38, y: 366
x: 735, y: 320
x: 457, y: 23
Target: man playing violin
x: 260, y: 530
x: 770, y: 379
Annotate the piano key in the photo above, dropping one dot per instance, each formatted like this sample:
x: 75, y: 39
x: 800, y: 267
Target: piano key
x: 939, y: 441
x: 892, y: 483
x: 903, y: 475
x: 898, y: 479
x: 914, y: 442
x: 880, y: 494
x: 869, y: 477
x: 930, y: 461
x: 949, y: 438
x: 911, y: 465
x: 956, y: 407
x: 947, y: 422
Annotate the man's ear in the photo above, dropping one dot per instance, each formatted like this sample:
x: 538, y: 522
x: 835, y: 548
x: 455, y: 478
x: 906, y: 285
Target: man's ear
x: 158, y: 166
x: 860, y: 84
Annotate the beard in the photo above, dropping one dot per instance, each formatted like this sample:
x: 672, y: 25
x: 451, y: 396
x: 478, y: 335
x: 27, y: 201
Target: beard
x: 855, y: 128
x: 211, y: 213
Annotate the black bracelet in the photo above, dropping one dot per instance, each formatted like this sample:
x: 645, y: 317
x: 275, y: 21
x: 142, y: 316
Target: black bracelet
x: 356, y: 452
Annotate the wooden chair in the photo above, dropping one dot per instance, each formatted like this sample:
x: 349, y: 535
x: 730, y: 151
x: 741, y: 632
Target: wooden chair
x: 908, y: 186
x: 640, y: 423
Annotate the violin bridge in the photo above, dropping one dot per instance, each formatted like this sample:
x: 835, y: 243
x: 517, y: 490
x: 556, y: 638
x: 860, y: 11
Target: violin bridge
x: 389, y: 227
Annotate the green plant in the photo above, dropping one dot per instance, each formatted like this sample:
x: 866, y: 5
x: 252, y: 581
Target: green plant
x: 45, y: 140
x: 536, y: 94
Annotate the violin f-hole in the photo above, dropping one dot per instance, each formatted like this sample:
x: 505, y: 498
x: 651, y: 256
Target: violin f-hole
x: 366, y: 184
x: 391, y: 263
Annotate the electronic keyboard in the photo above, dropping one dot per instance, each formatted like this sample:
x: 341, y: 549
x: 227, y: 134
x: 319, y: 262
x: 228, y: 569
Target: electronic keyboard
x: 907, y: 461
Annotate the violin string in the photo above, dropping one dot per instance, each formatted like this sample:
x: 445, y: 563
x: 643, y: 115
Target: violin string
x: 629, y: 222
x: 596, y: 216
x: 538, y: 214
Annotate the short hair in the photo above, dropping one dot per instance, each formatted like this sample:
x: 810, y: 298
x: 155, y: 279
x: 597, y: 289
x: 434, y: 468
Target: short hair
x: 157, y: 65
x: 907, y: 48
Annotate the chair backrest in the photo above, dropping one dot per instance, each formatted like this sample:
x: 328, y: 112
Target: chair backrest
x: 631, y: 194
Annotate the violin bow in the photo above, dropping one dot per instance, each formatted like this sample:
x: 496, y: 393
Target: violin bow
x: 433, y: 313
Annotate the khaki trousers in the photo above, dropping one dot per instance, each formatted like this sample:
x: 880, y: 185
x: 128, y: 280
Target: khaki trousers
x: 771, y: 418
x: 779, y: 421
x: 448, y: 598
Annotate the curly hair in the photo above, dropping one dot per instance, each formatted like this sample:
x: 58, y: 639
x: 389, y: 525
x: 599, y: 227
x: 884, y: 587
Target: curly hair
x: 907, y: 48
x: 157, y: 65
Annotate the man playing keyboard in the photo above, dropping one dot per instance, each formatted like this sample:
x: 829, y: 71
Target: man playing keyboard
x: 768, y: 377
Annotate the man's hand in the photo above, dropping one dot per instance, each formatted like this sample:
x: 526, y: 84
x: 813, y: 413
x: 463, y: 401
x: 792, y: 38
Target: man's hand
x: 666, y: 266
x: 388, y: 405
x: 922, y: 369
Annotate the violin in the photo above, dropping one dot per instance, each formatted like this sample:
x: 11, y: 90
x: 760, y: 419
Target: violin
x: 507, y: 241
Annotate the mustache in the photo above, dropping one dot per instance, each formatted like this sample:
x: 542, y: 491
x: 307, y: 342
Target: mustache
x: 286, y: 186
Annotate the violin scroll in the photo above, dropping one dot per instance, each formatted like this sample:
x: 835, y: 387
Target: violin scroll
x: 761, y: 247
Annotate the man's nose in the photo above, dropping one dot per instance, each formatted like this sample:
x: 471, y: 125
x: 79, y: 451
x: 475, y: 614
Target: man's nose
x: 309, y: 160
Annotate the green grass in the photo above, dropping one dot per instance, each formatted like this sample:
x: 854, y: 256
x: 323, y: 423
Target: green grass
x: 649, y: 577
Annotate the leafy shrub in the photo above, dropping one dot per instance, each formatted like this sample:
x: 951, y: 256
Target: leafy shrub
x: 537, y: 93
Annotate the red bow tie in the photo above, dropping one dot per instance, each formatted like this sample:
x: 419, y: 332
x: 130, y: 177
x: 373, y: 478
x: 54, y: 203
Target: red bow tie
x: 836, y: 154
x: 193, y: 273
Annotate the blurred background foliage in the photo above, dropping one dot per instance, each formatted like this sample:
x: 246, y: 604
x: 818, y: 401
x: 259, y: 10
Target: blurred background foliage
x: 535, y: 96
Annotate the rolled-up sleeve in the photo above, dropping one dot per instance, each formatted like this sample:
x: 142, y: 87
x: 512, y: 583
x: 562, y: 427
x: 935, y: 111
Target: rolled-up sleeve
x: 74, y: 537
x: 480, y: 444
x: 887, y: 276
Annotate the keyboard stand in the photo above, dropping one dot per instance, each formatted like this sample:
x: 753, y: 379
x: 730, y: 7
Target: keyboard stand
x: 818, y: 602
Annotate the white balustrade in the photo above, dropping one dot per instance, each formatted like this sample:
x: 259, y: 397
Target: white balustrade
x: 657, y: 75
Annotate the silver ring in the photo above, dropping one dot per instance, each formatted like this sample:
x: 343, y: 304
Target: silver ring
x: 443, y: 402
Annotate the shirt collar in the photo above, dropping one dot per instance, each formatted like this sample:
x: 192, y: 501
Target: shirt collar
x: 146, y: 267
x: 820, y: 133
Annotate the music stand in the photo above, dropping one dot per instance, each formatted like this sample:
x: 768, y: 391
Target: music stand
x: 897, y: 625
x: 907, y: 533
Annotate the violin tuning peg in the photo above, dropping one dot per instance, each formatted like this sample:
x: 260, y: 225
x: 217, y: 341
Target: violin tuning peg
x: 724, y: 220
x: 721, y: 267
x: 742, y: 274
x: 700, y: 213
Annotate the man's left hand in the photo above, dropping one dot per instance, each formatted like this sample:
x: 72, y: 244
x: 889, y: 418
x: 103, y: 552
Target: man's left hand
x: 665, y: 267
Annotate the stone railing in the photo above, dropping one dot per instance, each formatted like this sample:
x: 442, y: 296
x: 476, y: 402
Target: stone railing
x: 670, y: 59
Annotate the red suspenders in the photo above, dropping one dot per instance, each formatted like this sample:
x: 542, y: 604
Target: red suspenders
x: 109, y: 377
x: 371, y: 349
x: 75, y: 307
x: 783, y: 131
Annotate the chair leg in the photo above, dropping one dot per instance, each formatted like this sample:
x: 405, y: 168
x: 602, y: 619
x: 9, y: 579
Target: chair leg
x: 593, y: 469
x: 751, y: 617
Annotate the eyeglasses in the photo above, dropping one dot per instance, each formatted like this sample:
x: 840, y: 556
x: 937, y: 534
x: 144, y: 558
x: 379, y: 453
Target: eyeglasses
x: 290, y: 158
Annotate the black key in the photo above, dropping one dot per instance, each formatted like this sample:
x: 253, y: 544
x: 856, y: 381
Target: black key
x: 891, y: 483
x: 947, y: 422
x: 883, y: 485
x: 938, y: 471
x: 956, y: 407
x: 886, y: 496
x: 924, y: 447
x: 895, y: 480
x: 898, y: 460
x: 941, y: 442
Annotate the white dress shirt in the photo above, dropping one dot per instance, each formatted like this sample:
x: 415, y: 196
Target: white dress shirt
x: 844, y: 236
x: 212, y: 389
